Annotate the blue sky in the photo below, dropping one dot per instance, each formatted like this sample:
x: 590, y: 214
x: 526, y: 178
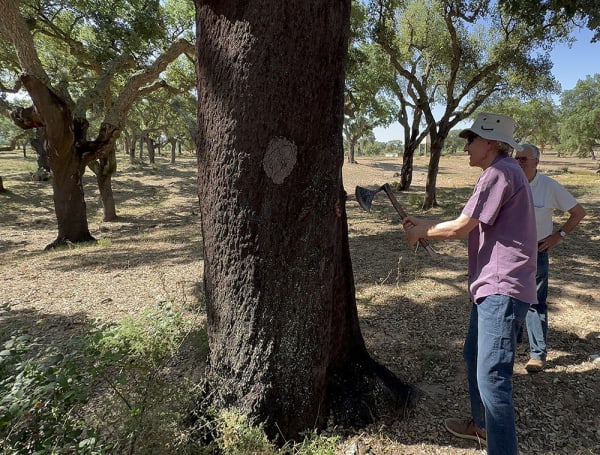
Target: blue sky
x: 570, y: 65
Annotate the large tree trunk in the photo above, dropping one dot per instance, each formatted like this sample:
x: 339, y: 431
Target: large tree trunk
x: 285, y: 344
x: 69, y: 201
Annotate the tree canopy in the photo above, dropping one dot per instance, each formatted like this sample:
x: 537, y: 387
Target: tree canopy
x: 580, y: 117
x: 456, y: 54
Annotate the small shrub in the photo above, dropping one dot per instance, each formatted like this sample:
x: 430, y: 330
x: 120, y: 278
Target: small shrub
x: 39, y: 394
x: 237, y: 436
x: 142, y: 402
x: 315, y: 444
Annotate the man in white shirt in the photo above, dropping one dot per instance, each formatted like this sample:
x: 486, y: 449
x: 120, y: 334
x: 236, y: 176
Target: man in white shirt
x: 548, y: 195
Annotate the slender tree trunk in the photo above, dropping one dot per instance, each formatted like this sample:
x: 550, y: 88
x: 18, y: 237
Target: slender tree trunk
x: 173, y: 151
x: 106, y: 195
x: 284, y: 342
x: 151, y: 151
x: 104, y: 168
x: 351, y: 145
x: 406, y: 173
x: 432, y: 172
x: 2, y: 189
x: 412, y: 133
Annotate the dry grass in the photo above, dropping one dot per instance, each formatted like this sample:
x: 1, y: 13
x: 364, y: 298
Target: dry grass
x: 413, y: 310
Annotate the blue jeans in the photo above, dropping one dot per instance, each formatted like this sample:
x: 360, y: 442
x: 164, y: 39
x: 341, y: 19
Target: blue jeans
x: 537, y: 316
x: 490, y: 355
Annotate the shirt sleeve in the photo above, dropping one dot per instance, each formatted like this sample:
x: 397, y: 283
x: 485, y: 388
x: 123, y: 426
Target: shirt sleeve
x: 561, y: 198
x: 488, y: 197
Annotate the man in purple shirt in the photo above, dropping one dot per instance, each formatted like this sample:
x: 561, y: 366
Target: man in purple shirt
x: 500, y: 222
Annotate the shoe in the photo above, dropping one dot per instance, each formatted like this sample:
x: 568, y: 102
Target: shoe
x: 466, y: 429
x: 535, y: 365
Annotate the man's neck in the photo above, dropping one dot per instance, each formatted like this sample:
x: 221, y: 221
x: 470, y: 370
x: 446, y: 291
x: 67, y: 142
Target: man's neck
x: 530, y: 178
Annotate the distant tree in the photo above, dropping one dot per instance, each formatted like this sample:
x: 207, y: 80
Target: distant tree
x: 369, y: 146
x: 453, y: 143
x: 580, y: 118
x: 457, y: 54
x: 365, y: 107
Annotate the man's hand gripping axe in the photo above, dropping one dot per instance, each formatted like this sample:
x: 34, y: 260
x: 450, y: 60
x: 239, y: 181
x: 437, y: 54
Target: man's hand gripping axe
x: 365, y: 198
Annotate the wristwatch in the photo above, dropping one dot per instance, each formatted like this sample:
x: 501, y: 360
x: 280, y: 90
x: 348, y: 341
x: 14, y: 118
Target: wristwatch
x: 562, y: 233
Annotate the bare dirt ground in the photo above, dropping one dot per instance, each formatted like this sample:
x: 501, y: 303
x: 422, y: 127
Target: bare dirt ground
x: 414, y: 310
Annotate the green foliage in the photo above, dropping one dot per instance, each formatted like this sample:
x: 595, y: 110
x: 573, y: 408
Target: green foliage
x: 370, y: 147
x: 580, y: 117
x: 39, y: 394
x: 109, y: 391
x: 532, y: 12
x: 142, y: 401
x: 229, y: 432
x: 537, y: 119
x: 453, y: 144
x: 237, y: 436
x: 146, y: 339
x: 315, y: 444
x: 366, y: 104
x: 456, y: 54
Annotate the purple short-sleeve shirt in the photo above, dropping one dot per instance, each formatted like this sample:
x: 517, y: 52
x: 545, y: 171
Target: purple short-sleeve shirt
x: 503, y: 248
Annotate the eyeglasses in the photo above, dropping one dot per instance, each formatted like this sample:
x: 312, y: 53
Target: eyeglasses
x: 521, y: 159
x: 471, y: 138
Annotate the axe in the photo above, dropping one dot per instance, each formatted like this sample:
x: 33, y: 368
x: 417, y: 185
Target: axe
x: 365, y: 197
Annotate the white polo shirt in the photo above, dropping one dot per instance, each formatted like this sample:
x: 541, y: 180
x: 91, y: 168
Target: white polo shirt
x: 548, y: 195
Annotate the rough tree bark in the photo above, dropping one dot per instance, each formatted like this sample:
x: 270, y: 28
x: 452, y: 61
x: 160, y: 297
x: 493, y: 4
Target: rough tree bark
x: 285, y: 345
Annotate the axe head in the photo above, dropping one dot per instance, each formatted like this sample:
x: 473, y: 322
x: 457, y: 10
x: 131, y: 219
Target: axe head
x: 364, y: 197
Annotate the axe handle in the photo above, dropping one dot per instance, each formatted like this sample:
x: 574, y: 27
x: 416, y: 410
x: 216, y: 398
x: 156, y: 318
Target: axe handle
x: 424, y: 243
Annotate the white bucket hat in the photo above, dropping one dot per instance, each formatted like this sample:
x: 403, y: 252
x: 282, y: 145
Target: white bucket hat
x: 494, y: 127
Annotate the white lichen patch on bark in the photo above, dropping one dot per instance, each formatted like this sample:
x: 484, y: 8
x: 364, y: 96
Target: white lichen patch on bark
x: 280, y: 159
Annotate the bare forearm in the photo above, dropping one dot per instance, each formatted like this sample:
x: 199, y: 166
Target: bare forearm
x: 439, y: 230
x: 577, y: 213
x: 447, y: 230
